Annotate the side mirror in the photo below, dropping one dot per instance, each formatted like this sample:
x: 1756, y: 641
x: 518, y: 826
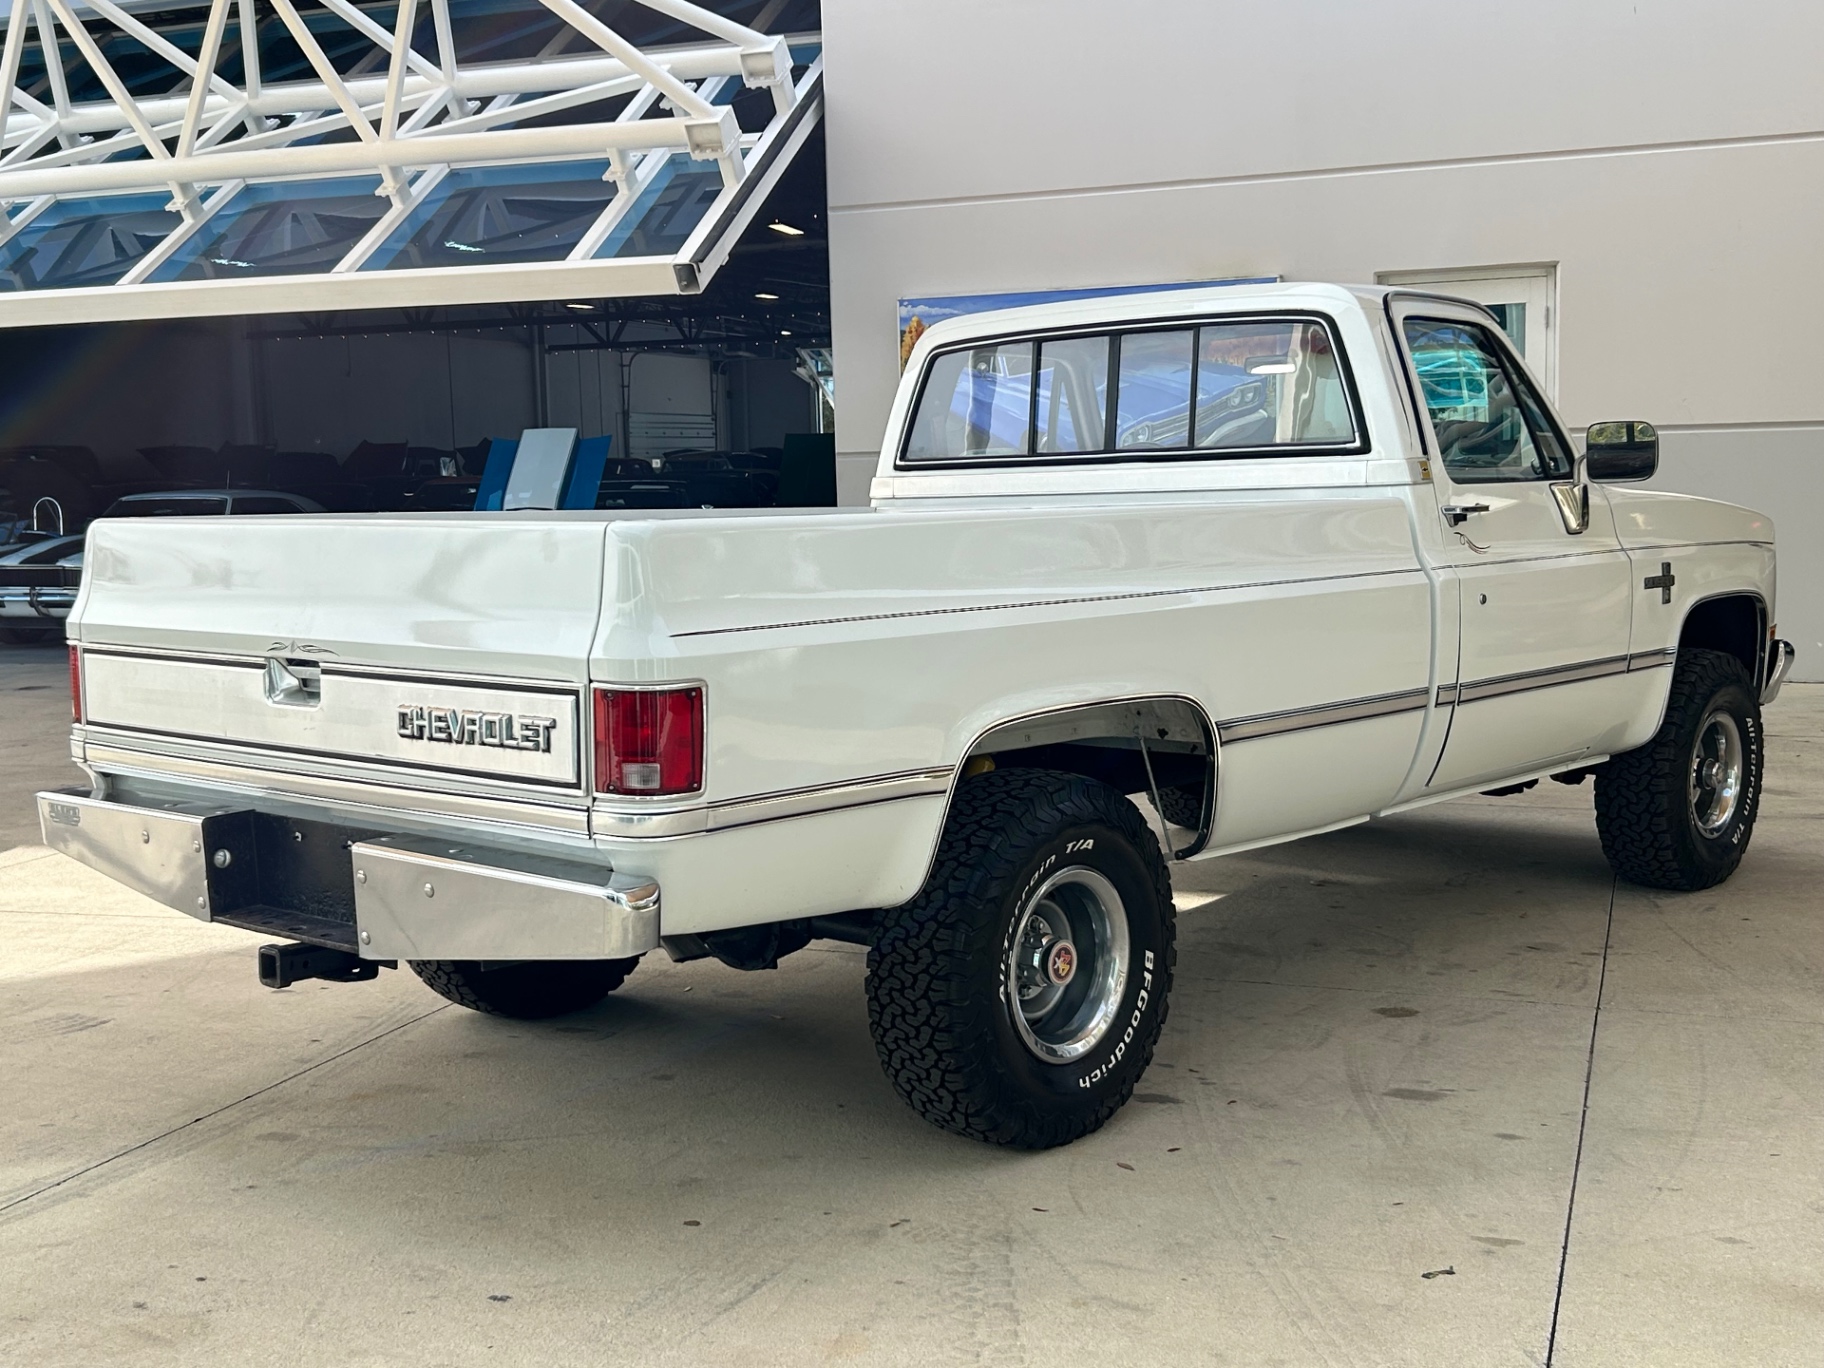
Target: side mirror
x: 1622, y: 451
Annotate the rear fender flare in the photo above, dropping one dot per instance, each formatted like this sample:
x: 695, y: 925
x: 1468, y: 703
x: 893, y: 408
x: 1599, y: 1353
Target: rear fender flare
x: 1185, y: 723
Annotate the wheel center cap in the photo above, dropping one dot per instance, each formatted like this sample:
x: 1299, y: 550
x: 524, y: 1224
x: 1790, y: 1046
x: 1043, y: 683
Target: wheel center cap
x: 1711, y: 774
x: 1060, y: 962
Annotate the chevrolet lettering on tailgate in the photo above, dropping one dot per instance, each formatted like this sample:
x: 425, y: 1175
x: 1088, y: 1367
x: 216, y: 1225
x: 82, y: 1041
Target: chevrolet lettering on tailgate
x: 469, y: 727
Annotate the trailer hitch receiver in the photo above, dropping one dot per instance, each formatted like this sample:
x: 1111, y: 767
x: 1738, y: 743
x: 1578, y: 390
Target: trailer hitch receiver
x: 283, y: 965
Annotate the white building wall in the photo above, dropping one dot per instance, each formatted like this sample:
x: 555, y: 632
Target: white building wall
x: 1666, y: 158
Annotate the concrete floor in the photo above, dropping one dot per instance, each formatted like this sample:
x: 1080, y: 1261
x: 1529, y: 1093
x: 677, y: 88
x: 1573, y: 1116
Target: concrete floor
x: 1434, y: 1091
x: 34, y: 736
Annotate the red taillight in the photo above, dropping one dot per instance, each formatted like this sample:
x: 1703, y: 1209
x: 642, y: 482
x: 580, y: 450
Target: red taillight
x: 76, y: 683
x: 648, y: 741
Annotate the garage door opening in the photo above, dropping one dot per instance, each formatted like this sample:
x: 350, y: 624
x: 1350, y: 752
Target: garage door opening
x: 370, y: 346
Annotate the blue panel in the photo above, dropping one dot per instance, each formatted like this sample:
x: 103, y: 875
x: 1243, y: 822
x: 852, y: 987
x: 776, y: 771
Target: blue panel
x: 280, y: 228
x: 667, y: 211
x: 85, y: 241
x: 586, y: 468
x: 487, y: 215
x: 493, y: 489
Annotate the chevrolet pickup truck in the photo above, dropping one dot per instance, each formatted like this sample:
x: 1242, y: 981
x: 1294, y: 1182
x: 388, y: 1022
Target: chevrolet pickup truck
x: 1266, y: 561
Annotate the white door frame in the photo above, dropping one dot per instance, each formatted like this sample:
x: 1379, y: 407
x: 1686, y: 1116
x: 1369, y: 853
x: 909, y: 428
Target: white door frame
x: 1534, y: 284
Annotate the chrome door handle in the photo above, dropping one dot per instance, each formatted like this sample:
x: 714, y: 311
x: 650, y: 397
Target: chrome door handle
x: 1456, y: 513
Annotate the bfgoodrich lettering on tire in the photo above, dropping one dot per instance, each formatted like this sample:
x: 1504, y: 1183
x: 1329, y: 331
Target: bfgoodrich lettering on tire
x: 1018, y: 998
x: 1678, y: 812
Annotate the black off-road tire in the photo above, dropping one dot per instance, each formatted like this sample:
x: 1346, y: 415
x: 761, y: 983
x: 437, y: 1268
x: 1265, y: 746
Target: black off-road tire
x: 1182, y: 805
x: 938, y: 1003
x: 1643, y: 805
x: 531, y: 990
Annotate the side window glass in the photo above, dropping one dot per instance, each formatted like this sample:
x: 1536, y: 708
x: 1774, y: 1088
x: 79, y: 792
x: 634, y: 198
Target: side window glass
x: 975, y: 403
x: 1269, y: 384
x: 1072, y: 407
x: 1553, y: 457
x: 1153, y: 394
x: 1483, y: 421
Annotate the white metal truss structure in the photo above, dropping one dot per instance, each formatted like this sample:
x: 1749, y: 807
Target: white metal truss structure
x: 393, y: 173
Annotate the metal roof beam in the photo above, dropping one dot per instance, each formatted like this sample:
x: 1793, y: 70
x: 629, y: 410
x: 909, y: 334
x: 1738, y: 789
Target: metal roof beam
x: 534, y: 77
x: 391, y: 116
x: 424, y: 149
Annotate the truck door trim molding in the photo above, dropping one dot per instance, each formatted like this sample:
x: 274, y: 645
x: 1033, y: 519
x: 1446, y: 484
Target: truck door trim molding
x: 1447, y: 695
x: 1321, y: 715
x: 1450, y: 695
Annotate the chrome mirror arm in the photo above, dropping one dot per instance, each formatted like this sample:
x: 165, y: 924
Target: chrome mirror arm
x: 1573, y: 497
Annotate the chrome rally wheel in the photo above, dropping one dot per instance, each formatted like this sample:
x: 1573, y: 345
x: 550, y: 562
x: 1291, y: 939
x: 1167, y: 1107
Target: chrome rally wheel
x: 1067, y: 965
x: 1717, y: 765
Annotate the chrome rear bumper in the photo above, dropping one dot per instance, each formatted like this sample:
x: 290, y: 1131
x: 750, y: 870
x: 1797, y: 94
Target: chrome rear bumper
x: 379, y: 895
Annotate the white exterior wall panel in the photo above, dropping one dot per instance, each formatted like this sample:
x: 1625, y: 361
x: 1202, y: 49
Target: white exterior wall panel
x: 1667, y: 160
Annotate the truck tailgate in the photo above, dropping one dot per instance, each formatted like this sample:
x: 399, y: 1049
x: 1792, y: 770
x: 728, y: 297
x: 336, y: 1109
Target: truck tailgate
x: 450, y: 643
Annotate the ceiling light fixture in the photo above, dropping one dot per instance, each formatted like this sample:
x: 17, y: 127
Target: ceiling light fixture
x: 580, y: 308
x: 762, y: 294
x: 783, y: 332
x: 786, y: 228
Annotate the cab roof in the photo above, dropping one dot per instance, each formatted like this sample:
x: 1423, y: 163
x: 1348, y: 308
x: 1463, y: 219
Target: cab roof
x: 1196, y: 301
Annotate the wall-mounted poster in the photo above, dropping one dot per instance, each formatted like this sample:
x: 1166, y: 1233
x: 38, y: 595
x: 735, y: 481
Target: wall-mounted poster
x: 915, y: 315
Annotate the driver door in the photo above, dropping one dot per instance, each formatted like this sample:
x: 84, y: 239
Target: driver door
x: 1544, y: 599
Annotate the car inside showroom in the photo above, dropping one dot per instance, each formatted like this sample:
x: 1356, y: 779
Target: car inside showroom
x: 910, y: 681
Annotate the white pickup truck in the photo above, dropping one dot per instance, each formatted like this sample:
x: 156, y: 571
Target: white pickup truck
x: 1270, y: 560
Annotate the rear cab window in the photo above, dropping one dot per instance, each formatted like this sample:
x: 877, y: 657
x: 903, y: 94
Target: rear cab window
x: 1241, y: 386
